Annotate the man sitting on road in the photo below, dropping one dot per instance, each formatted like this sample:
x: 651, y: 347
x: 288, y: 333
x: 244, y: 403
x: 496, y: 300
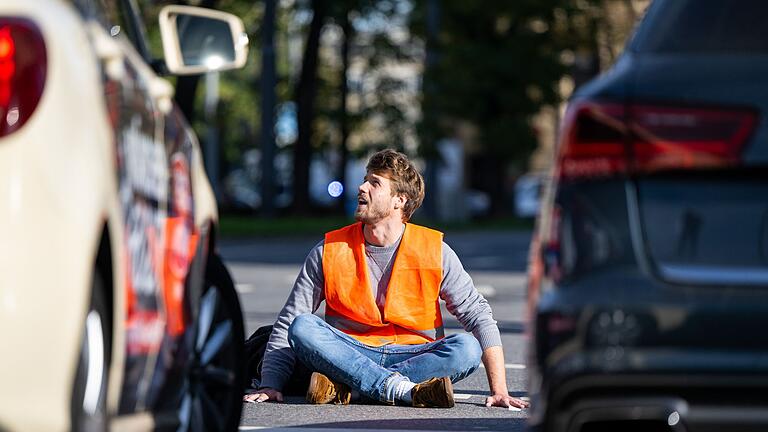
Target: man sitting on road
x: 381, y: 279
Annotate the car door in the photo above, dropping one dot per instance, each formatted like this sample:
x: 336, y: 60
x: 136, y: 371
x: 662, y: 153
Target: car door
x: 137, y: 101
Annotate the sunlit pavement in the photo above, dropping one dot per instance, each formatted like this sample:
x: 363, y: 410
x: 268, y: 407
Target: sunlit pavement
x: 264, y: 270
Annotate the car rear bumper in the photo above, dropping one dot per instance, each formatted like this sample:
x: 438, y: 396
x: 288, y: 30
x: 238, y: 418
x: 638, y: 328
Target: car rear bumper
x: 668, y: 400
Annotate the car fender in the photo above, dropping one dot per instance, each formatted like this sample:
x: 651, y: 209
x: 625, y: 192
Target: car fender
x: 57, y: 179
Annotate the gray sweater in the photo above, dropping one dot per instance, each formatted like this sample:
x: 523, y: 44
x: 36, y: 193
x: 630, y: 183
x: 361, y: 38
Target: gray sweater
x: 456, y: 289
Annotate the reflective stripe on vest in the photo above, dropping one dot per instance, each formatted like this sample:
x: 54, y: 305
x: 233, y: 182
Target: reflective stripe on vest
x: 411, y: 309
x: 349, y: 326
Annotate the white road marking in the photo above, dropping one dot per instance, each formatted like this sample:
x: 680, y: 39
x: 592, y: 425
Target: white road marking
x: 510, y: 366
x: 465, y: 396
x: 486, y: 290
x: 244, y: 288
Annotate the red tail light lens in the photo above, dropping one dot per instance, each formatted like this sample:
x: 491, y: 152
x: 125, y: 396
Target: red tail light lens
x: 7, y: 64
x: 666, y: 138
x: 23, y: 65
x: 604, y: 139
x: 593, y: 141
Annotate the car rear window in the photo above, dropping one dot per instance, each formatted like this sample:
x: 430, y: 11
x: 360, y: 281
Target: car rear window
x: 715, y: 26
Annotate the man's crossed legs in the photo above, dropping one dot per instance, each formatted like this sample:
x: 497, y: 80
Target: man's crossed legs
x: 388, y: 373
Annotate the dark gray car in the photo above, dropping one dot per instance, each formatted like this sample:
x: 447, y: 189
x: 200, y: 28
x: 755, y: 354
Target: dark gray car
x: 648, y: 275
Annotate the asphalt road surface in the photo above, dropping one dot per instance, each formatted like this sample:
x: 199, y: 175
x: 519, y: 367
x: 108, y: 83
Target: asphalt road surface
x: 264, y: 271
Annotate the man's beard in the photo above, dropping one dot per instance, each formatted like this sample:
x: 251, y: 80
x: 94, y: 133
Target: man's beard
x: 371, y: 214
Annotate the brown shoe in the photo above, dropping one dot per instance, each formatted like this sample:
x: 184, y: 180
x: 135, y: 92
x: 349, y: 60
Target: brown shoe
x: 322, y: 391
x: 433, y: 393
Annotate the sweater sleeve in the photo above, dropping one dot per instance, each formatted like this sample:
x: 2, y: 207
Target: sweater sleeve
x: 464, y: 302
x: 305, y: 297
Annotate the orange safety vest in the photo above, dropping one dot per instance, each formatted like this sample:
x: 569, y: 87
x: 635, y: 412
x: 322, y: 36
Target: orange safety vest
x: 411, y: 309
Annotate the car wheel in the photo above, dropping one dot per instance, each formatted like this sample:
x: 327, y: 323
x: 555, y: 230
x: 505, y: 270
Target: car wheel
x: 89, y: 395
x: 212, y: 396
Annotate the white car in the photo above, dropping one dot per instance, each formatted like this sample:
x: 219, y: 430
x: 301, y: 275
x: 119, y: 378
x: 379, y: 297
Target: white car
x: 115, y: 311
x: 528, y: 189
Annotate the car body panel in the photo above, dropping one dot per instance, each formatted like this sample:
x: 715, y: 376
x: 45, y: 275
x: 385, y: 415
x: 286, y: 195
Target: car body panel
x: 102, y: 159
x: 717, y: 80
x: 679, y: 207
x: 715, y: 235
x: 32, y: 193
x: 647, y: 289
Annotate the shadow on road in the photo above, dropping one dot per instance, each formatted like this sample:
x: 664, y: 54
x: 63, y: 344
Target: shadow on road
x: 260, y: 316
x: 426, y: 424
x: 505, y: 327
x: 517, y: 394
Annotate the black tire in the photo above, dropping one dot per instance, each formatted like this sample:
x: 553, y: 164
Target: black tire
x: 213, y: 389
x: 89, y: 394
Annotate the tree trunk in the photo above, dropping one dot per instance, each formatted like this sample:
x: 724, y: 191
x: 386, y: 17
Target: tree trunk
x: 268, y: 81
x: 306, y: 90
x: 348, y: 30
x: 430, y: 204
x: 489, y: 176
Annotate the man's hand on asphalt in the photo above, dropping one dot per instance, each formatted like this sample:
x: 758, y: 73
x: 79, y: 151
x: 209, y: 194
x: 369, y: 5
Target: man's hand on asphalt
x: 502, y: 400
x: 493, y: 359
x: 263, y: 395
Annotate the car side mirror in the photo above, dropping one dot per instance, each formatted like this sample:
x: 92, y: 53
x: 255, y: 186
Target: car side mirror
x: 198, y: 40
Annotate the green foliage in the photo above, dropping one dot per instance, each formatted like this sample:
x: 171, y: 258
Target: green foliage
x: 248, y: 226
x: 497, y: 63
x: 237, y: 112
x: 379, y: 116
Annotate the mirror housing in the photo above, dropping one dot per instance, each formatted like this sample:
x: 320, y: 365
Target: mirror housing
x: 198, y: 40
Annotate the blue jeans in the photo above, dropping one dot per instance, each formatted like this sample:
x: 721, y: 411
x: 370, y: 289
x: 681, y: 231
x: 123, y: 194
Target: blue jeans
x: 368, y: 369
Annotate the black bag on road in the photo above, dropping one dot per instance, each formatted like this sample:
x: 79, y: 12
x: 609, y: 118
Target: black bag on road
x: 255, y: 347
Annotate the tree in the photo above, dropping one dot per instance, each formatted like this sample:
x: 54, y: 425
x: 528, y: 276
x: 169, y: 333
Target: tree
x: 348, y: 34
x: 268, y: 84
x: 359, y: 100
x: 306, y: 90
x: 499, y: 62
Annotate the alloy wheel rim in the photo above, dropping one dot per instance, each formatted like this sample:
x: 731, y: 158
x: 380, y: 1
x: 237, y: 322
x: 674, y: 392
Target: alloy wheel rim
x: 200, y: 409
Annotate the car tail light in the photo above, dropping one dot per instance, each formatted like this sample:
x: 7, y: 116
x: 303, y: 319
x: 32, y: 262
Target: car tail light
x: 593, y: 141
x: 23, y: 65
x: 665, y: 137
x: 606, y: 139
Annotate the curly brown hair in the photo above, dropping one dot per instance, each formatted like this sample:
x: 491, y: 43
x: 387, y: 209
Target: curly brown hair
x: 405, y: 179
